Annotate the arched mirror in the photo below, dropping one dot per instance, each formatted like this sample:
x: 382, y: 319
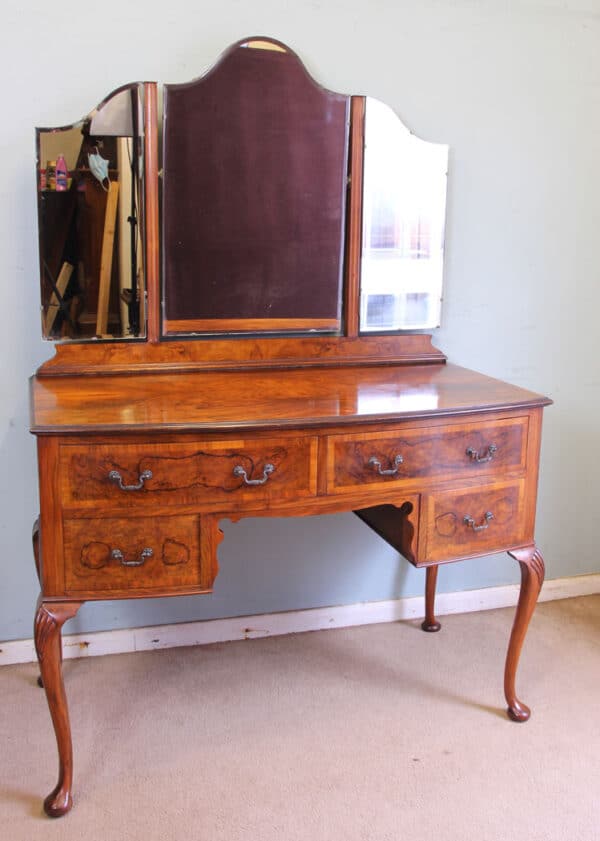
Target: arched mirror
x: 254, y: 197
x: 90, y: 210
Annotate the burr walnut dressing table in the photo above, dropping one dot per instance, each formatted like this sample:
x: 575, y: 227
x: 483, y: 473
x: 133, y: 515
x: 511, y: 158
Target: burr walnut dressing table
x: 255, y: 348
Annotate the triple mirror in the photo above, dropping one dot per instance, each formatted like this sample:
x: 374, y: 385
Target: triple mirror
x: 277, y: 196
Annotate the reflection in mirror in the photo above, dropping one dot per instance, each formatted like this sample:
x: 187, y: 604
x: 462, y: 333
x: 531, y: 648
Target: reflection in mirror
x: 404, y: 204
x: 90, y: 209
x: 254, y: 191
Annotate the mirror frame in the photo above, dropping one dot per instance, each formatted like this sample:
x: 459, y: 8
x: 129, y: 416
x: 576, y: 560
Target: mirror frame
x: 222, y: 352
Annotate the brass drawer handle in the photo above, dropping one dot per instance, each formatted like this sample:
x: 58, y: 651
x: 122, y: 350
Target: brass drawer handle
x: 117, y: 555
x: 469, y: 521
x: 238, y: 470
x: 376, y: 464
x: 115, y: 476
x: 488, y: 455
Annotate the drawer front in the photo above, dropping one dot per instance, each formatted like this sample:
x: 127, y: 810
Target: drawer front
x: 138, y: 475
x: 132, y: 554
x: 444, y: 452
x: 472, y: 521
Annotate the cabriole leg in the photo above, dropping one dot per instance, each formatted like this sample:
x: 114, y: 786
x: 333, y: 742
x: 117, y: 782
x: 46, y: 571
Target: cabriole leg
x: 532, y: 578
x: 430, y: 623
x: 49, y: 619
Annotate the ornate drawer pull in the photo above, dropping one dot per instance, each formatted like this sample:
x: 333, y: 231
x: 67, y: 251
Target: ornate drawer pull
x: 375, y: 463
x: 238, y: 470
x: 115, y: 476
x: 469, y: 521
x: 475, y: 456
x: 117, y: 555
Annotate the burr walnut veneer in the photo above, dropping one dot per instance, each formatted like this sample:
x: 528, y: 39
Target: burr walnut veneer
x: 136, y: 472
x: 144, y: 446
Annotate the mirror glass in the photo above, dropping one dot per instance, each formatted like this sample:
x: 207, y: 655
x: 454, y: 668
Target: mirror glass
x: 90, y: 212
x: 404, y: 206
x: 254, y: 195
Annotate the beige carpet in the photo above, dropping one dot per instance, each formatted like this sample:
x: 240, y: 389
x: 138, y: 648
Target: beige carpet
x: 381, y: 732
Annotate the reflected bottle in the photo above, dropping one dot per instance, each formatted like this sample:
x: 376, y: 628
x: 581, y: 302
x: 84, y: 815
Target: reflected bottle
x: 62, y: 174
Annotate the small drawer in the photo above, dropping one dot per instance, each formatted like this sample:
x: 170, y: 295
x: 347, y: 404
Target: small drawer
x: 473, y: 521
x: 444, y: 452
x: 139, y: 475
x: 141, y: 553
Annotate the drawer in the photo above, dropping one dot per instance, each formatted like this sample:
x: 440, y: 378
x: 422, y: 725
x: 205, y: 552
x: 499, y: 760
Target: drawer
x: 140, y: 553
x: 446, y: 452
x: 213, y: 471
x: 473, y: 521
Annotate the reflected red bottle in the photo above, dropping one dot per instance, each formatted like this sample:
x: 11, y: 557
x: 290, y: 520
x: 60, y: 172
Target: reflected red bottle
x: 62, y: 174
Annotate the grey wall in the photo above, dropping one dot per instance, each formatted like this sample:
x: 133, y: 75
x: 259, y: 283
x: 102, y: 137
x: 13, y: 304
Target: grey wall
x: 514, y: 88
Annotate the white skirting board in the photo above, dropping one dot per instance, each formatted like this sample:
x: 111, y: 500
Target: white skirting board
x: 292, y: 622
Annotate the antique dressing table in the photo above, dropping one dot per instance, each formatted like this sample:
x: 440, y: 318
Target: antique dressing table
x: 239, y: 314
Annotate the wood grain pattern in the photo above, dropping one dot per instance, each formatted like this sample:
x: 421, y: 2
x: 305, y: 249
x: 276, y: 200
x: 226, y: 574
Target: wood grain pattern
x: 532, y: 577
x: 151, y: 220
x: 106, y: 260
x: 430, y: 623
x: 266, y: 400
x: 185, y: 473
x: 90, y: 543
x: 354, y: 216
x: 397, y: 524
x: 175, y: 417
x: 237, y: 353
x: 440, y: 451
x: 51, y: 536
x: 446, y: 536
x: 49, y: 619
x: 248, y: 325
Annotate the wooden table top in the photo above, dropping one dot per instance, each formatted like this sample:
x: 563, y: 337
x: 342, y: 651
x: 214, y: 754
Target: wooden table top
x: 259, y: 399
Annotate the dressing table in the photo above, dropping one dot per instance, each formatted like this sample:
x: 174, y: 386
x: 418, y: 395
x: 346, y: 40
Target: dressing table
x: 240, y: 314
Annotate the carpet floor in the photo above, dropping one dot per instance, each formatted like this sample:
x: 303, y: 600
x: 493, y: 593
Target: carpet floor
x: 361, y: 734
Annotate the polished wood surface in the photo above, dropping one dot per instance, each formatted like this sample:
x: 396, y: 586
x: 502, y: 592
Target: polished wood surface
x: 446, y: 451
x: 263, y: 400
x: 473, y: 521
x: 130, y: 554
x: 354, y: 215
x: 49, y: 619
x: 137, y: 470
x: 237, y: 354
x: 145, y: 446
x: 532, y: 577
x: 248, y: 325
x: 430, y: 623
x: 151, y: 215
x: 188, y: 472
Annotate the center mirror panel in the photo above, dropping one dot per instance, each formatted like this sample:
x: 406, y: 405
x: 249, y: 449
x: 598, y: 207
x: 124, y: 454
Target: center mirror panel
x: 254, y: 195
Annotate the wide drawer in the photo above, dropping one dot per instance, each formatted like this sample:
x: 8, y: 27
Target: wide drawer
x: 473, y: 521
x: 444, y: 452
x: 137, y: 553
x: 176, y: 473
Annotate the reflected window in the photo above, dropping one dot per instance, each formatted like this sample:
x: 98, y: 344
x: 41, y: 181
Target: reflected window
x: 404, y: 206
